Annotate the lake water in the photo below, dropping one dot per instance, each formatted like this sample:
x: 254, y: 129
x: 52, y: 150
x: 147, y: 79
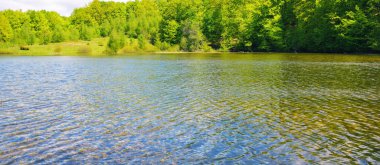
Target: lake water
x: 190, y: 109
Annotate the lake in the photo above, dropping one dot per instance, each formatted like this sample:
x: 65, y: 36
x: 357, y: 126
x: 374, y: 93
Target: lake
x: 190, y: 109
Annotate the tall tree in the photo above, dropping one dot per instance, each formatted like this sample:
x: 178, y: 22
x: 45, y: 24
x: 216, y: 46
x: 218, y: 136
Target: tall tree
x: 6, y: 32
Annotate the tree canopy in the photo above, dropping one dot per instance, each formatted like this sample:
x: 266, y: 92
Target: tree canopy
x: 196, y: 25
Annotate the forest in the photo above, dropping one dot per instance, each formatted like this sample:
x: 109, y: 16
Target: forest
x: 339, y: 26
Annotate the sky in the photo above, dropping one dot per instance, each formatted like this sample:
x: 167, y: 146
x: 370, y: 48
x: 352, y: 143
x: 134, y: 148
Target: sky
x: 64, y: 7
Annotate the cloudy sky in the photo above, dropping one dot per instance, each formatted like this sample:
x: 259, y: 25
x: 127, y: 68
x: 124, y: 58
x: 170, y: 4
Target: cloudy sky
x: 64, y: 7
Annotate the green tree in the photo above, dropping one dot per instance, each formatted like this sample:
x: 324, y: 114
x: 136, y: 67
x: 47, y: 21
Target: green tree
x: 192, y: 38
x: 264, y: 32
x: 115, y: 42
x: 57, y: 26
x: 40, y: 25
x: 353, y: 30
x: 6, y: 32
x: 169, y: 30
x: 228, y: 25
x: 28, y: 35
x: 213, y: 25
x: 87, y: 32
x: 105, y: 29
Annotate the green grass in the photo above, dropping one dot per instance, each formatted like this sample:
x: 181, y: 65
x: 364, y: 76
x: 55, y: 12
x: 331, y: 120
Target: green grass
x: 95, y: 47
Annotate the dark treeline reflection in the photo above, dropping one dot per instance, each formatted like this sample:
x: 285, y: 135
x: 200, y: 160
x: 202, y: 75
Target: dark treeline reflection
x: 202, y: 25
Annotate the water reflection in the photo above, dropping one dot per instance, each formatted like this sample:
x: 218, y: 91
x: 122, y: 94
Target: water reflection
x: 212, y: 108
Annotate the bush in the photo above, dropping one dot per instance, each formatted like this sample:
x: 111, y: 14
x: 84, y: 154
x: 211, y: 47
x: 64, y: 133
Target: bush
x: 141, y: 42
x: 206, y: 48
x: 163, y: 46
x: 115, y: 42
x: 173, y: 48
x: 100, y: 43
x: 24, y: 48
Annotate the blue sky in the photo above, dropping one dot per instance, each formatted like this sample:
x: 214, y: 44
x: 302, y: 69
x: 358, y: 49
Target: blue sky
x: 64, y: 7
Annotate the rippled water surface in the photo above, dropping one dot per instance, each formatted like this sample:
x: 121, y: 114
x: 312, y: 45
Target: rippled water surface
x: 215, y: 108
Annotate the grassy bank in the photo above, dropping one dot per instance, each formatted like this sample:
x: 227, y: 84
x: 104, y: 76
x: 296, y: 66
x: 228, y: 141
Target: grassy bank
x: 95, y: 47
x: 98, y: 47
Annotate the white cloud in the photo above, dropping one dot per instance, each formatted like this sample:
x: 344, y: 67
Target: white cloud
x: 64, y: 7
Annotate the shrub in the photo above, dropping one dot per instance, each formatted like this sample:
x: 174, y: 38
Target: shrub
x: 100, y: 43
x: 24, y: 48
x: 115, y: 42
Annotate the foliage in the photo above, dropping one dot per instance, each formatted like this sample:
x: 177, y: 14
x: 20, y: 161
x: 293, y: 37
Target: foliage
x: 192, y: 38
x: 115, y: 42
x: 199, y: 25
x: 6, y: 32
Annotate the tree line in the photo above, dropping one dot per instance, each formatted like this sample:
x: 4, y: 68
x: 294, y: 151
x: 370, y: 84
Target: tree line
x: 203, y: 25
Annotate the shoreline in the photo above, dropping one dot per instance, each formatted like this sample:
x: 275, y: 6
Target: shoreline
x: 187, y: 53
x: 94, y: 54
x: 180, y: 53
x: 92, y: 49
x: 97, y: 47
